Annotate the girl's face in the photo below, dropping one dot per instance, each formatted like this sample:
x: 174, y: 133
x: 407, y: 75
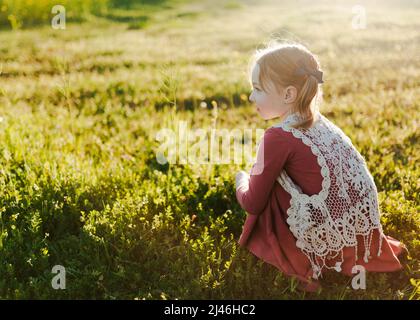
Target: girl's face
x: 271, y: 104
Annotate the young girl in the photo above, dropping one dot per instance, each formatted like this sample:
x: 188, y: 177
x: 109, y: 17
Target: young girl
x: 312, y: 204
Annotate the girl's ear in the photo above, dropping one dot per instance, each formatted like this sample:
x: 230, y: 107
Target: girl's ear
x: 290, y: 94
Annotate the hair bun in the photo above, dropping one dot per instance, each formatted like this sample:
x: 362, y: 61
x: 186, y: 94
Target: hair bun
x: 318, y: 74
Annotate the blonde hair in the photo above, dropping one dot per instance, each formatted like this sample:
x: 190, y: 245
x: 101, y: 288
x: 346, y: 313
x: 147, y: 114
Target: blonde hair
x: 279, y: 63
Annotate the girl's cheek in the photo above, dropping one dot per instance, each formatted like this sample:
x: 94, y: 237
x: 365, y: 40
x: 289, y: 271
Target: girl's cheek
x: 262, y: 101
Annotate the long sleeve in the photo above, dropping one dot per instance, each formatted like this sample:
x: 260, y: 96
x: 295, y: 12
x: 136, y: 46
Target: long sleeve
x: 272, y: 155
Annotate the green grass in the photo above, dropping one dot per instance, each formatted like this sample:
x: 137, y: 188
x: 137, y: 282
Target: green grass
x: 24, y: 14
x: 80, y: 184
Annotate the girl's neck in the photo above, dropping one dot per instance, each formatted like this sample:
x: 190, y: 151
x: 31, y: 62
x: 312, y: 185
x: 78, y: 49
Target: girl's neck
x: 284, y: 116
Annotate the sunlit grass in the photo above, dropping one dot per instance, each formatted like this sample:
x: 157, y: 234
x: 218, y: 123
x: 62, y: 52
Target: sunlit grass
x: 81, y: 187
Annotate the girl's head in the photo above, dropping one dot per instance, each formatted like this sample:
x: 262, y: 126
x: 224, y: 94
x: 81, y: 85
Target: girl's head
x: 285, y: 79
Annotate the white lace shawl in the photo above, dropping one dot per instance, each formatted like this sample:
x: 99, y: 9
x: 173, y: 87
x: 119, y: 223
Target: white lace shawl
x: 347, y: 205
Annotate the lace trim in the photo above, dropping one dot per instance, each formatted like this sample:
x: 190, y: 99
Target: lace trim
x: 299, y: 217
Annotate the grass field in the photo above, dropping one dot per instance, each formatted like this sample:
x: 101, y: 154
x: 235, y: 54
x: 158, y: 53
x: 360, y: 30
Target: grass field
x: 80, y: 109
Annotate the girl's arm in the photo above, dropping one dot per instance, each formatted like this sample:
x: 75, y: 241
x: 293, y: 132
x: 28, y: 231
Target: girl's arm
x: 253, y: 193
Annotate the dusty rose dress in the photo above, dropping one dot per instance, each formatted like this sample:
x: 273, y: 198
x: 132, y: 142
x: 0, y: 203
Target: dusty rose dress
x: 266, y: 232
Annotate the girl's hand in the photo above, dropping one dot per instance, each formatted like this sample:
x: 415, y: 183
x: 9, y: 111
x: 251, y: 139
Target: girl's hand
x: 242, y: 178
